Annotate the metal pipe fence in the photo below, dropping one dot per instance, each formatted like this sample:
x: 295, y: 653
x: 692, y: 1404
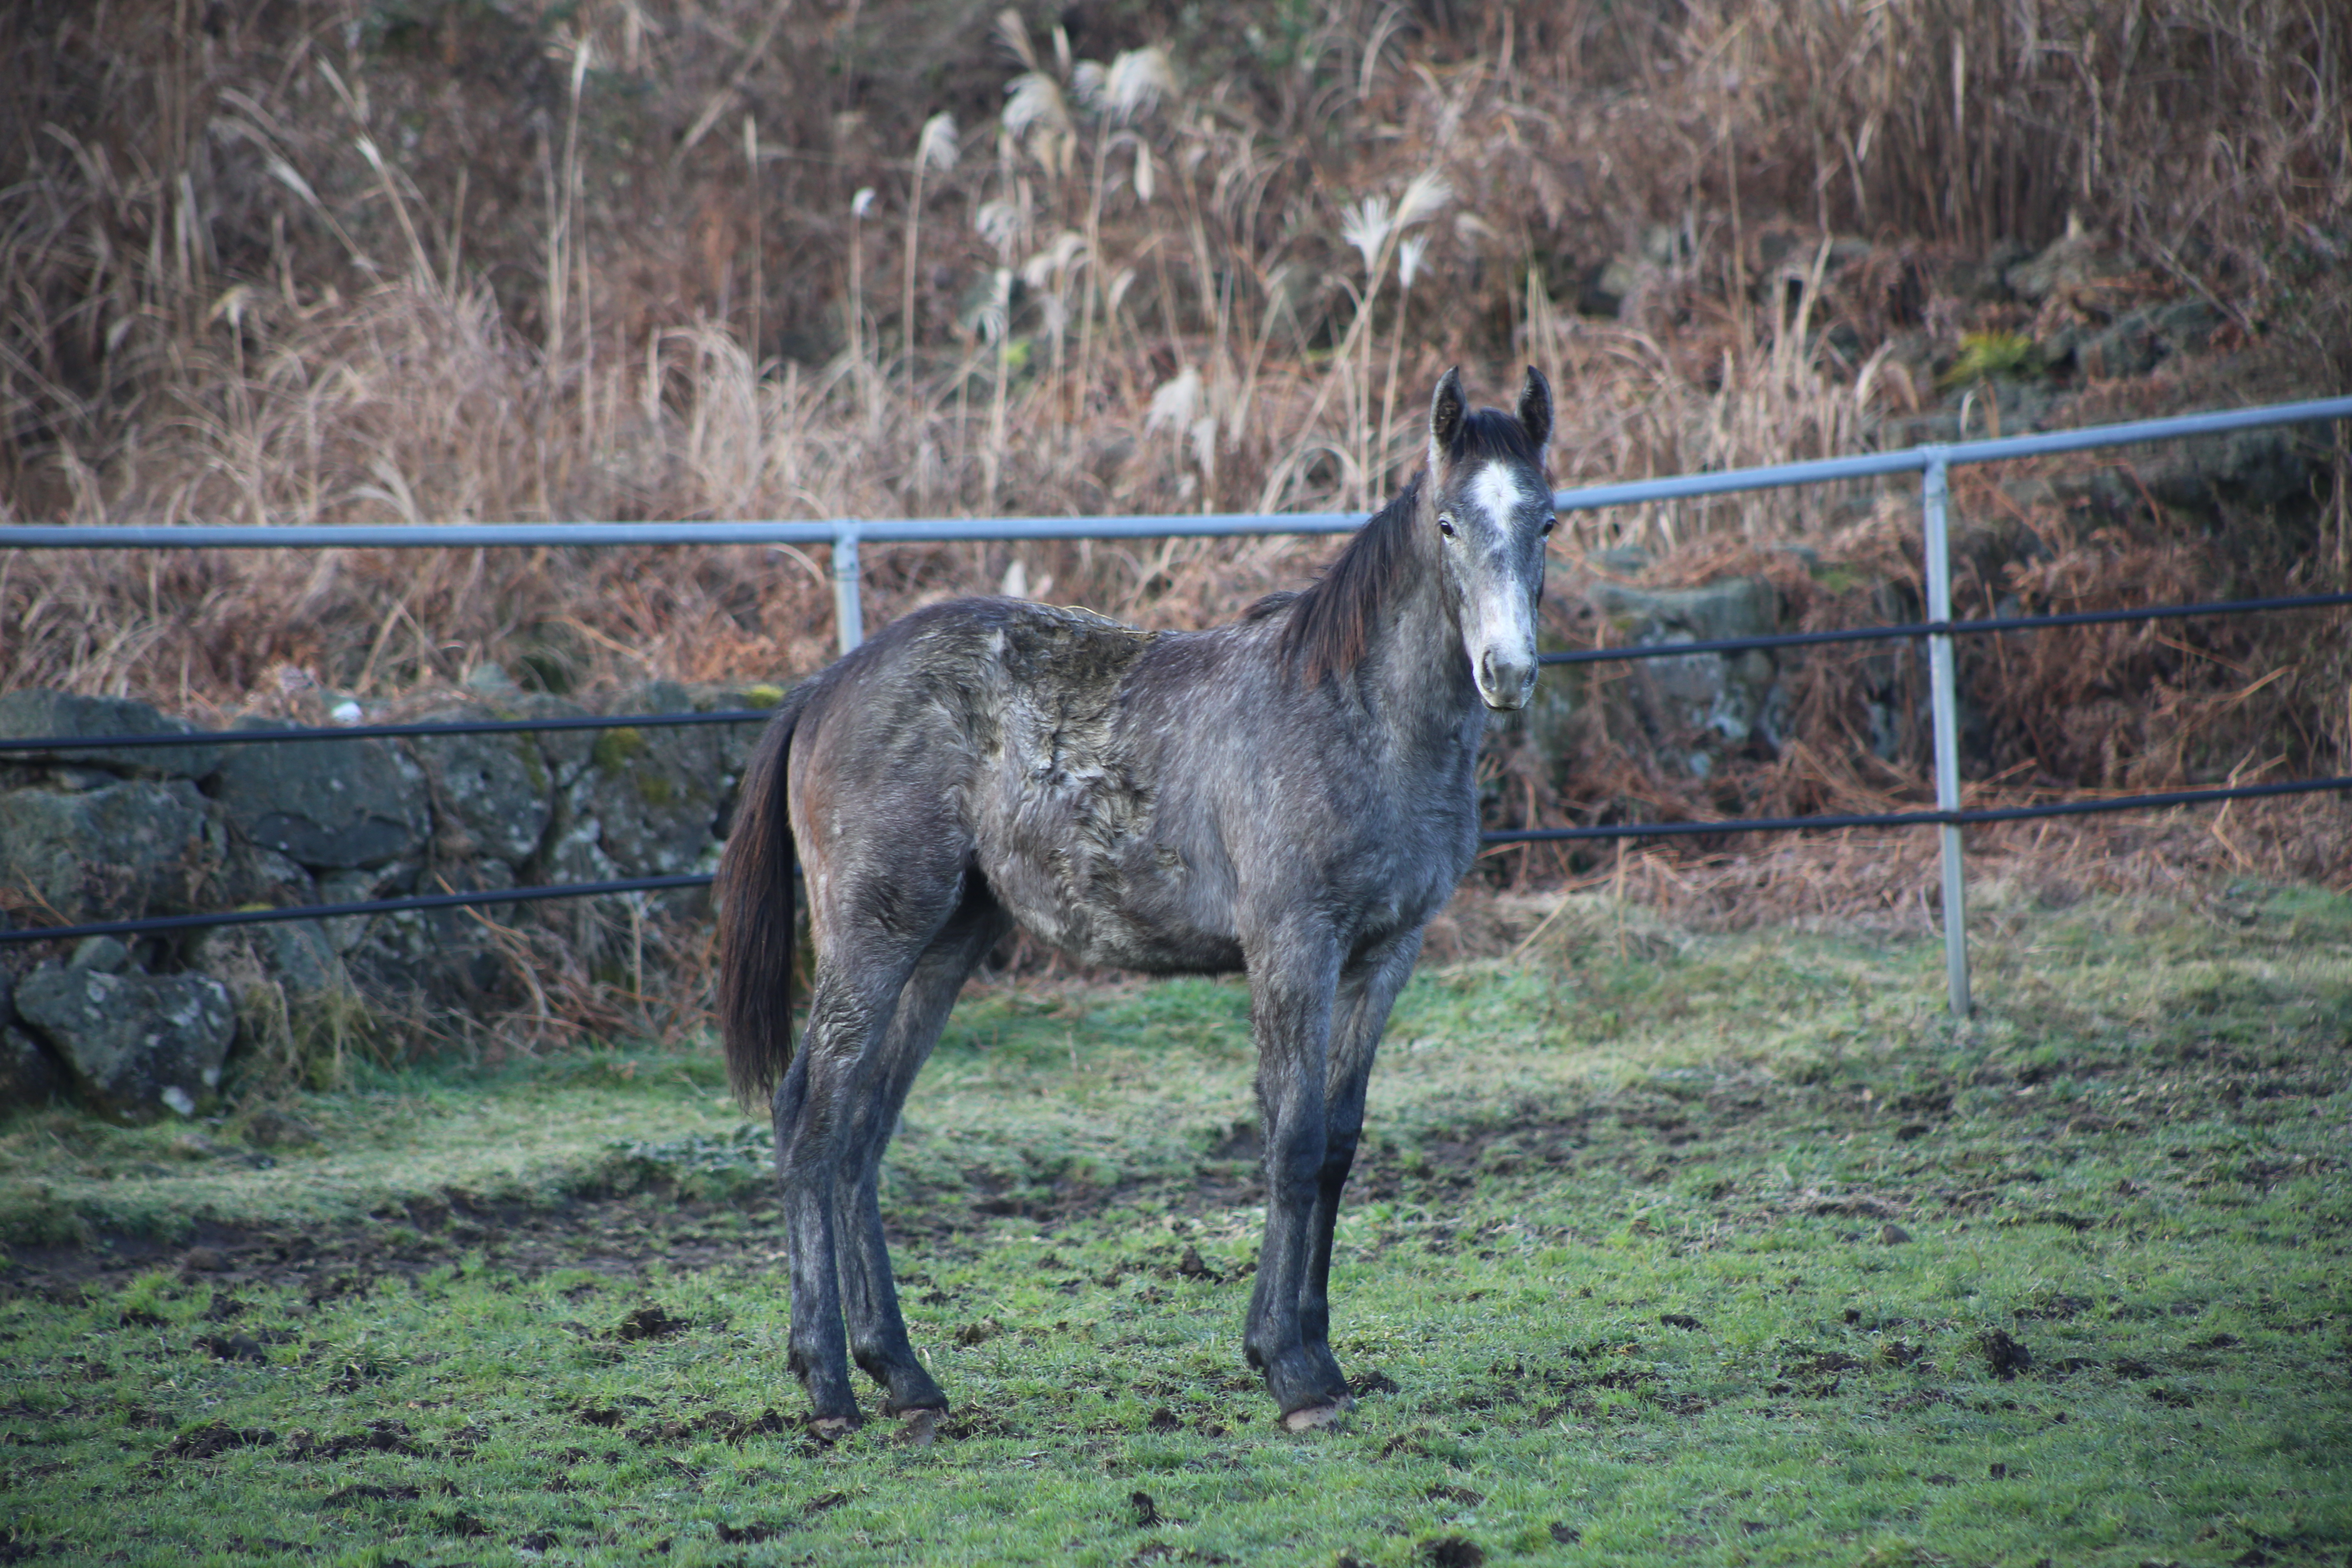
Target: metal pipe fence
x: 843, y: 536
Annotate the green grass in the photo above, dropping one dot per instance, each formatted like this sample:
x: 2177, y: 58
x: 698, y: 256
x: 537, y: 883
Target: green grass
x: 1617, y: 1266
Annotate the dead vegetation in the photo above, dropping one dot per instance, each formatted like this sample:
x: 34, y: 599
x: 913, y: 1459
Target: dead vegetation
x: 441, y: 259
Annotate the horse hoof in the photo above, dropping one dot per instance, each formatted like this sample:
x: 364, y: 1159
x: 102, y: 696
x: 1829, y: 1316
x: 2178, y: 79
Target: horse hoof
x: 918, y: 1428
x: 1314, y: 1417
x: 831, y: 1429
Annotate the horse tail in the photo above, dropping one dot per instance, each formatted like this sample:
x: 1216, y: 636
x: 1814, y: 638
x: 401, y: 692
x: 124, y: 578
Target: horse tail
x: 755, y: 917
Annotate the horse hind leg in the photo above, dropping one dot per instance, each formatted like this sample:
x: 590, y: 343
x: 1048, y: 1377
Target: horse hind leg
x: 878, y: 1332
x: 814, y: 1108
x: 871, y: 933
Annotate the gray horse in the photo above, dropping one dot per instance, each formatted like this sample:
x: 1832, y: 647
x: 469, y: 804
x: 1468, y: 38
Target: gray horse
x: 1291, y: 795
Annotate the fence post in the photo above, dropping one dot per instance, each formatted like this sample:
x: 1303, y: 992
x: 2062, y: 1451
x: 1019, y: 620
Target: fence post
x: 849, y: 615
x: 1943, y: 699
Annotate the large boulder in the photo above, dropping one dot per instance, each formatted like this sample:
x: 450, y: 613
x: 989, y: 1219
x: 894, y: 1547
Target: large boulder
x: 1984, y: 280
x: 295, y: 998
x: 253, y: 875
x: 334, y: 804
x: 30, y: 715
x: 135, y: 1045
x: 447, y: 957
x: 735, y: 743
x: 567, y: 754
x: 126, y: 849
x: 495, y: 788
x: 1693, y: 705
x: 345, y: 932
x: 302, y: 956
x: 643, y: 801
x: 652, y: 794
x: 1733, y: 608
x: 2253, y: 469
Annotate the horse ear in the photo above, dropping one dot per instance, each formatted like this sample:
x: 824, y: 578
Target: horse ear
x: 1535, y: 407
x: 1446, y: 410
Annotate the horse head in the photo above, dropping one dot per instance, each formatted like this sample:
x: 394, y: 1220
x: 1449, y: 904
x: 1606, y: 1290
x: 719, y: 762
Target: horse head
x: 1488, y: 499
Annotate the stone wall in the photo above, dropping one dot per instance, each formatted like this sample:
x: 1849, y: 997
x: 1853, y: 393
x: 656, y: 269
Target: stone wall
x: 147, y: 1026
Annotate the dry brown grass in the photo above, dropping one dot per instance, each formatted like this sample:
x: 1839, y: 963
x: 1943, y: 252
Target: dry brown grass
x: 437, y: 261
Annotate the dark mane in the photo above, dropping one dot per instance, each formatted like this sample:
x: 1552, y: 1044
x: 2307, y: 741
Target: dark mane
x: 1330, y: 624
x: 1489, y: 434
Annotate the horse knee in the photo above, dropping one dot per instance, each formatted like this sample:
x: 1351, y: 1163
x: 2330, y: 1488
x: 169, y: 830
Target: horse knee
x: 1295, y: 1163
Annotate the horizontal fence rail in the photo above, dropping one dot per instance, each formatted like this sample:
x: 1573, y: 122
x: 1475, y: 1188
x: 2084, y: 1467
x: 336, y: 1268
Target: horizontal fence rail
x: 383, y: 731
x: 1925, y: 458
x: 1948, y: 628
x: 1964, y: 817
x: 155, y: 925
x: 1932, y: 462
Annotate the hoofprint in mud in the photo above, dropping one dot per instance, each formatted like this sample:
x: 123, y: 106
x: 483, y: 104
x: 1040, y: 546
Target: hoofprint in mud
x: 1291, y: 795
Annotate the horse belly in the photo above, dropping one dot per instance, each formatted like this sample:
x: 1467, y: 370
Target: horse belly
x: 1157, y: 915
x: 1088, y: 877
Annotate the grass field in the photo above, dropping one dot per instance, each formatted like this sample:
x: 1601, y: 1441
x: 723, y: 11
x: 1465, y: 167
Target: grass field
x: 1669, y: 1249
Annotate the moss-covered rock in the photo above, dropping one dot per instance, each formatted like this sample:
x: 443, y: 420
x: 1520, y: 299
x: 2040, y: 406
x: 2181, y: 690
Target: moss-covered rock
x: 124, y: 849
x: 495, y: 789
x: 1691, y: 706
x: 136, y: 1045
x: 27, y: 1075
x: 654, y: 793
x: 327, y: 804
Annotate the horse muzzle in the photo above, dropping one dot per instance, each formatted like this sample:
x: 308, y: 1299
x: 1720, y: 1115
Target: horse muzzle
x: 1506, y: 682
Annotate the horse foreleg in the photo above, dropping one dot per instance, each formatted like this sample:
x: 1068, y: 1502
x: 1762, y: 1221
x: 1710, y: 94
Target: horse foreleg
x: 878, y: 1332
x: 1367, y: 990
x: 1290, y: 1013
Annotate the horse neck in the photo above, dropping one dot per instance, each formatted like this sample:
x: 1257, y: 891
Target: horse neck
x: 1417, y: 677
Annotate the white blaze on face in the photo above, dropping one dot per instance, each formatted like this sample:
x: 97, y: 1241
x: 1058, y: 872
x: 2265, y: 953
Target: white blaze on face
x: 1501, y: 641
x: 1500, y: 495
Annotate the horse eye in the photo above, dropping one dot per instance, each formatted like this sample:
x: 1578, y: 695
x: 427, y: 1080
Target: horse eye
x: 1445, y: 523
x: 1548, y: 524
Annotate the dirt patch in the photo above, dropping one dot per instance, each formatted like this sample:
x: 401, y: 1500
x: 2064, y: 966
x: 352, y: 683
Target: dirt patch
x: 211, y: 1441
x: 650, y: 1323
x: 614, y: 1238
x: 343, y: 1497
x: 2005, y: 1356
x: 385, y: 1437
